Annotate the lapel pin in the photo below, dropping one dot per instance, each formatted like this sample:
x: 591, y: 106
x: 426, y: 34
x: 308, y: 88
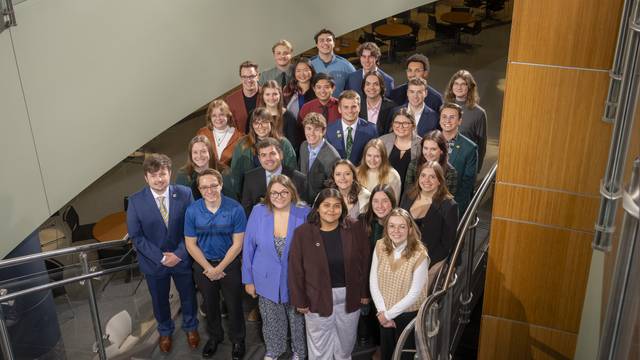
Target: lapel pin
x: 318, y: 244
x: 173, y: 196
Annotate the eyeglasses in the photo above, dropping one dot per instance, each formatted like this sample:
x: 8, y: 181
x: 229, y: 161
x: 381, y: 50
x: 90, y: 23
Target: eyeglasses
x: 261, y: 124
x: 402, y: 124
x: 248, y: 77
x: 282, y: 194
x: 210, y: 187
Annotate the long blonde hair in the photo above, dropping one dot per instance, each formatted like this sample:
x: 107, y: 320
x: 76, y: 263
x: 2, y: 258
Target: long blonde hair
x: 414, y: 237
x: 385, y: 166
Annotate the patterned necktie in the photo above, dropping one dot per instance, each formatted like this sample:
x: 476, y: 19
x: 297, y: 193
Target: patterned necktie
x: 163, y: 210
x: 349, y: 141
x: 283, y: 80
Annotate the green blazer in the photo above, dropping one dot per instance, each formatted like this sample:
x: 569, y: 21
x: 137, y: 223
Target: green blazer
x: 242, y: 161
x: 464, y: 158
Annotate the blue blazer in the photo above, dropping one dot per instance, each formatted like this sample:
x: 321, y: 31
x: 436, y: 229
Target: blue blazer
x: 149, y: 234
x: 365, y: 131
x: 261, y: 265
x: 429, y: 120
x: 354, y: 82
x: 433, y: 98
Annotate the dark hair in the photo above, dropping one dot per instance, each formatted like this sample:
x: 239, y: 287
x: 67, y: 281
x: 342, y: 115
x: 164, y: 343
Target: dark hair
x: 292, y: 86
x: 453, y: 106
x: 420, y: 59
x: 267, y: 142
x: 321, y: 32
x: 251, y: 139
x: 370, y: 216
x: 155, y: 162
x: 314, y: 216
x: 213, y: 172
x: 437, y: 137
x: 285, y: 181
x: 372, y: 47
x: 383, y: 86
x: 322, y: 76
x: 442, y: 193
x: 190, y: 166
x: 246, y: 65
x: 355, y: 187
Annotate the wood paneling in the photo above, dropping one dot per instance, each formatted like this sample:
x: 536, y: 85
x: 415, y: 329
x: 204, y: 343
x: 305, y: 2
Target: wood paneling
x: 580, y: 33
x: 552, y: 135
x: 505, y: 339
x: 537, y: 274
x: 541, y: 206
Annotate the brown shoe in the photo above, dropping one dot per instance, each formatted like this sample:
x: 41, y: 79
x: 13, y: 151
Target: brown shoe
x: 165, y: 344
x: 193, y: 338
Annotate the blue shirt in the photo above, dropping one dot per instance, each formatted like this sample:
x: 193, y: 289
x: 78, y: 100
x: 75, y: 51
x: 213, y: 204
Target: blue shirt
x: 339, y: 68
x: 313, y: 152
x: 214, y: 232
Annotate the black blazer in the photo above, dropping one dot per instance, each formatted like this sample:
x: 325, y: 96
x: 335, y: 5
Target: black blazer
x: 255, y: 185
x: 384, y: 117
x: 438, y: 227
x: 320, y: 170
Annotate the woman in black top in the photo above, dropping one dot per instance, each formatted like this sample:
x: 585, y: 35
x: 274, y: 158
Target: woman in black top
x: 435, y: 212
x: 433, y: 147
x: 284, y: 121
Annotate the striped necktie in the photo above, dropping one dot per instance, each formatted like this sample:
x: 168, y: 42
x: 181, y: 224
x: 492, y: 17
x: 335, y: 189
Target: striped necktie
x: 163, y: 210
x: 349, y: 141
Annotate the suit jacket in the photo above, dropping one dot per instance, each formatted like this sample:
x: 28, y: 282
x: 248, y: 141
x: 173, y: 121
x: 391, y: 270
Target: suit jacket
x: 149, y: 234
x: 438, y: 227
x: 383, y: 125
x: 235, y: 100
x: 433, y: 98
x: 354, y: 82
x: 255, y: 185
x: 464, y: 158
x: 261, y: 265
x: 320, y: 170
x: 429, y: 120
x: 309, y: 279
x: 390, y: 139
x: 365, y: 131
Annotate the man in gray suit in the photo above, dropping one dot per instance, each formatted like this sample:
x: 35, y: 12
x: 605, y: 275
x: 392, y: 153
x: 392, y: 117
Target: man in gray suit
x: 317, y: 156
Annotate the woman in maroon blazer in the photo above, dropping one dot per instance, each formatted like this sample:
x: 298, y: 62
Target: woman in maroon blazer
x: 328, y: 271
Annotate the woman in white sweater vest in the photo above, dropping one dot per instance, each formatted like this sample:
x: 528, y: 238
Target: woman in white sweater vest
x: 398, y: 278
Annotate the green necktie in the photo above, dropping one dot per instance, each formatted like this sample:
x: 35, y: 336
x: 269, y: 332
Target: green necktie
x: 349, y: 141
x: 163, y: 210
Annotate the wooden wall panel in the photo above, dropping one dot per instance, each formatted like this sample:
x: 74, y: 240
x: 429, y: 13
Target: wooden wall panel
x: 580, y: 33
x: 508, y: 340
x: 545, y: 207
x: 537, y: 274
x: 552, y: 135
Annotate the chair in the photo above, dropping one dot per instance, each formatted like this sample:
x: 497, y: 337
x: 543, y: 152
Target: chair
x: 405, y: 43
x: 443, y: 31
x: 78, y: 232
x: 463, y: 9
x: 118, y: 331
x: 55, y: 272
x: 473, y: 30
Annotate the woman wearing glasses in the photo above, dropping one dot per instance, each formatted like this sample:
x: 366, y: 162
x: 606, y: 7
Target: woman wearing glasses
x: 245, y: 155
x: 265, y: 268
x: 402, y: 144
x: 221, y: 131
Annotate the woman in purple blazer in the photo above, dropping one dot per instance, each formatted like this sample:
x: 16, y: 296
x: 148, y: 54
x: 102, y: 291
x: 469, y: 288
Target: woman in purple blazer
x: 265, y: 254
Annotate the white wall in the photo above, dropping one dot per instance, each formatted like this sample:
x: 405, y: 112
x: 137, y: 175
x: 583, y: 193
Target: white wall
x: 102, y: 77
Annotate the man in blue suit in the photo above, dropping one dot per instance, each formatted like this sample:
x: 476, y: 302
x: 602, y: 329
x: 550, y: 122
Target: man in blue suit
x: 426, y: 118
x: 369, y: 54
x: 155, y: 220
x: 418, y: 66
x: 350, y: 134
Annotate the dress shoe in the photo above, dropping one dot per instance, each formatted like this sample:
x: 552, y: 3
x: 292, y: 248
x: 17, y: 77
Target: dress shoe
x: 210, y: 348
x: 238, y: 351
x: 193, y: 338
x: 165, y: 344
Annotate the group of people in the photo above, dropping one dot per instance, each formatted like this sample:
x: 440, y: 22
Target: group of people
x: 323, y: 192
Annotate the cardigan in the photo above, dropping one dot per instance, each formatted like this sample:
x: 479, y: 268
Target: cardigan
x: 225, y: 158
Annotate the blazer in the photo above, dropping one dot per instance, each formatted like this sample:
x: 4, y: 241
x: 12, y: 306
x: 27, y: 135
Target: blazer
x: 151, y: 237
x: 261, y: 265
x: 227, y: 153
x: 384, y: 116
x: 309, y: 279
x: 433, y: 98
x: 429, y: 120
x: 255, y: 185
x: 354, y: 82
x: 416, y: 149
x: 464, y: 158
x: 235, y: 100
x: 320, y: 170
x: 438, y: 227
x: 365, y: 131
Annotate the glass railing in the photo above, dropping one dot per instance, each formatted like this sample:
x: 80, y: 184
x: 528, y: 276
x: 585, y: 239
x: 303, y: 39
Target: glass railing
x: 444, y: 315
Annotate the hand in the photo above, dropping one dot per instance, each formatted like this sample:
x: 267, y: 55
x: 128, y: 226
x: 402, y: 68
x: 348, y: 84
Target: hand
x: 365, y: 301
x: 303, y: 310
x: 382, y: 319
x: 213, y: 273
x: 170, y: 259
x: 390, y: 324
x: 251, y: 290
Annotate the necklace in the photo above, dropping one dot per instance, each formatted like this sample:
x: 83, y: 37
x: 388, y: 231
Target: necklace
x: 220, y: 138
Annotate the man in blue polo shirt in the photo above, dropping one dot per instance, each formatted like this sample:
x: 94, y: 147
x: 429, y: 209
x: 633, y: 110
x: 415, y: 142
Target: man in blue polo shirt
x: 329, y: 63
x: 214, y: 231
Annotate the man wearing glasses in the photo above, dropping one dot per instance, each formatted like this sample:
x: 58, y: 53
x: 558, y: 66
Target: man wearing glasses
x: 270, y: 155
x: 214, y: 231
x: 244, y: 100
x: 155, y: 222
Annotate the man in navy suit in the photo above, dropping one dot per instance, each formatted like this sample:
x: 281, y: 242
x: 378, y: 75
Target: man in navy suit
x: 369, y: 54
x: 350, y: 134
x: 426, y: 118
x: 155, y: 220
x: 418, y: 67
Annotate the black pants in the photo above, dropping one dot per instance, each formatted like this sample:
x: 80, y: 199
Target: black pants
x: 389, y: 337
x: 231, y: 286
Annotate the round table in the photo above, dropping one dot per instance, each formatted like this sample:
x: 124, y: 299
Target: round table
x: 393, y: 30
x: 111, y: 227
x: 457, y: 18
x: 345, y: 47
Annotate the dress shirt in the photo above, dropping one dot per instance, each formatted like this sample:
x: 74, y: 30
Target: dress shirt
x: 416, y: 114
x: 313, y: 152
x: 269, y: 175
x: 418, y: 282
x: 374, y: 111
x: 166, y: 198
x: 345, y: 131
